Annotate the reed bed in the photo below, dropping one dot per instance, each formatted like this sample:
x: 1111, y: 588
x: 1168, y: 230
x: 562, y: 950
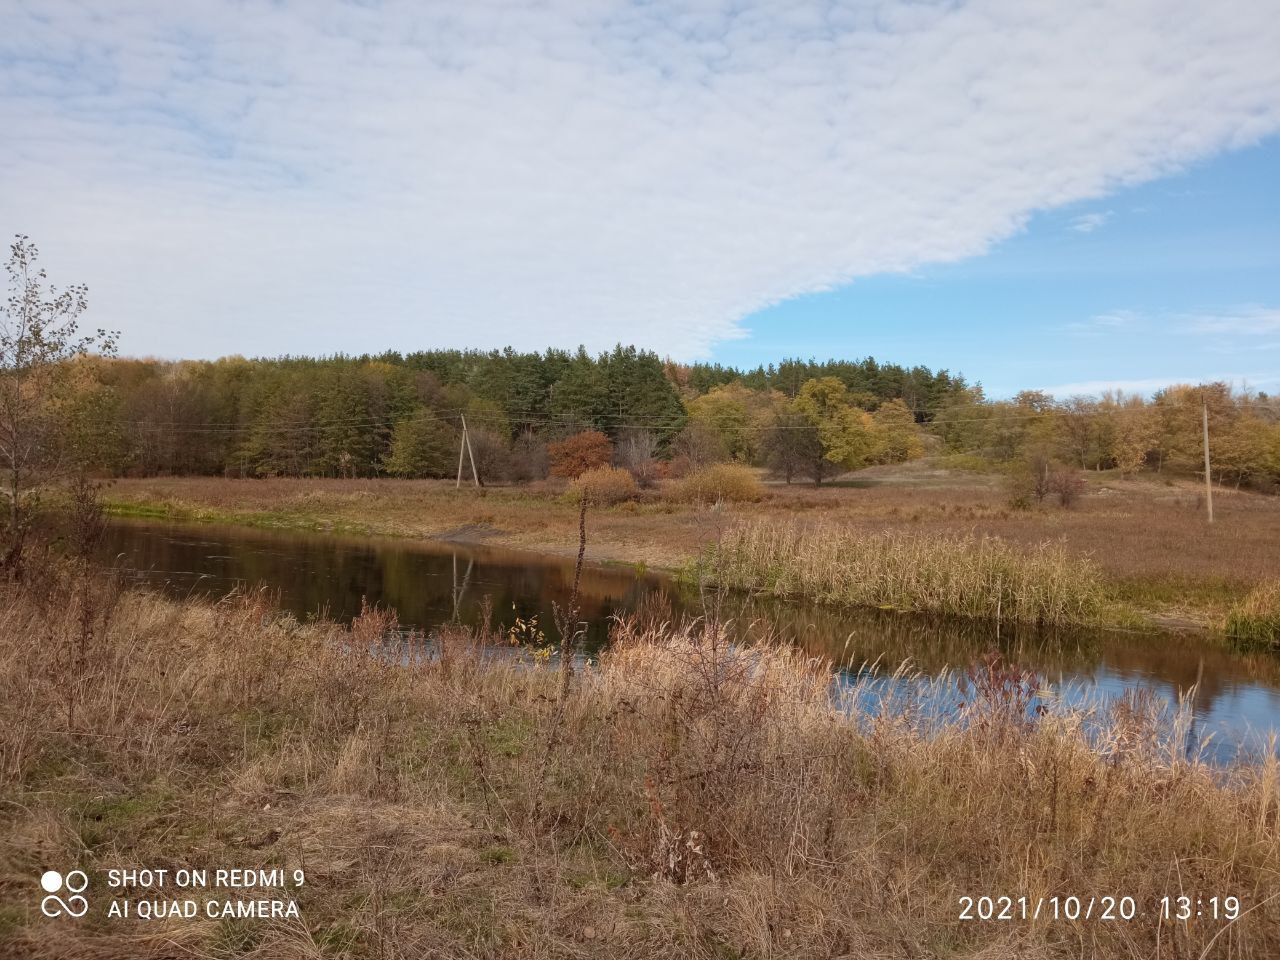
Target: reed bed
x: 688, y: 798
x: 967, y: 576
x: 1256, y: 619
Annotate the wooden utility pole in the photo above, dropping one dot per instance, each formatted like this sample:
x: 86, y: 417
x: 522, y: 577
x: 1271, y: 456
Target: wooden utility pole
x: 466, y: 436
x: 1208, y: 477
x: 464, y: 447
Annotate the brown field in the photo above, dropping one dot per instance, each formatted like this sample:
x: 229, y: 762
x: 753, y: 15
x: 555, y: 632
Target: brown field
x: 1148, y: 535
x: 685, y: 800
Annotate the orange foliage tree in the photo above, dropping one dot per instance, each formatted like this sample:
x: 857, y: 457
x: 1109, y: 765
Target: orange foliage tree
x: 575, y: 455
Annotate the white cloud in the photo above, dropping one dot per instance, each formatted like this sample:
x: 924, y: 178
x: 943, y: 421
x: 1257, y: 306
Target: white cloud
x: 1251, y: 321
x: 1105, y: 323
x: 1089, y: 222
x: 1149, y: 385
x: 283, y: 176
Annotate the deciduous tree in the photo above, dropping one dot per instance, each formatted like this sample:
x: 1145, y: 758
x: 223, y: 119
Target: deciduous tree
x: 39, y: 335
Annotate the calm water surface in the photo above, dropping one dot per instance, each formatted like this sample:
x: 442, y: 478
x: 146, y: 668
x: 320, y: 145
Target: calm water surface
x: 1235, y: 696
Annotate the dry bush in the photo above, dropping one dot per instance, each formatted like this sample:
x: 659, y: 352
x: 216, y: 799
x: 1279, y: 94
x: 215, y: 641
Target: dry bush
x: 604, y: 486
x: 730, y: 482
x: 528, y: 458
x: 1066, y: 483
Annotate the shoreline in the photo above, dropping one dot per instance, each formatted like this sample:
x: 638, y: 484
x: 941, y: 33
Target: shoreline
x: 647, y: 536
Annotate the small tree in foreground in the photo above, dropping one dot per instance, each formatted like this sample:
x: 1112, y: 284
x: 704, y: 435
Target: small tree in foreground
x: 39, y: 335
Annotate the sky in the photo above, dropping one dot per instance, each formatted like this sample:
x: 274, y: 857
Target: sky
x: 1064, y: 196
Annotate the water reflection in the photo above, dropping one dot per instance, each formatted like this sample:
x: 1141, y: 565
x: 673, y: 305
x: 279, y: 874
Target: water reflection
x: 428, y: 583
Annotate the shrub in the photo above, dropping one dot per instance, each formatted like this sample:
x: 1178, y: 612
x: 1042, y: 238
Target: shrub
x: 1256, y: 619
x: 604, y: 485
x: 720, y: 481
x: 528, y: 458
x: 579, y: 453
x: 1066, y: 482
x: 1038, y: 476
x: 492, y: 457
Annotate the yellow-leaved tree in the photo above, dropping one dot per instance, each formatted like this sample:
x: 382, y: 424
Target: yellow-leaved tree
x: 897, y: 435
x: 847, y: 434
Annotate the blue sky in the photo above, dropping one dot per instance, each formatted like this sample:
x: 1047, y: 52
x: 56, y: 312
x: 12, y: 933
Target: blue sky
x: 1033, y: 192
x: 1174, y: 280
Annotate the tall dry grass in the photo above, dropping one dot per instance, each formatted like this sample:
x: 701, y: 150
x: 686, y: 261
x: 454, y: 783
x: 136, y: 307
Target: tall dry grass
x: 1256, y: 618
x: 690, y: 797
x: 964, y: 576
x: 717, y: 483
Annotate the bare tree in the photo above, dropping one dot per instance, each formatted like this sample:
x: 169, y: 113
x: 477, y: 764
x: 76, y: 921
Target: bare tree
x: 39, y: 335
x: 637, y: 451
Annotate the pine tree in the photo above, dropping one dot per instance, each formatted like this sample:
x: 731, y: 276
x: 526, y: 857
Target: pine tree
x: 422, y: 445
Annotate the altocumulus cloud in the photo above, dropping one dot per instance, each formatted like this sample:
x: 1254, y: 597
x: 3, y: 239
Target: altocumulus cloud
x: 317, y: 176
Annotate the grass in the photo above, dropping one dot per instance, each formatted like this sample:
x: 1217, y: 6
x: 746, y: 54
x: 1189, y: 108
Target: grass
x: 1163, y: 566
x: 956, y: 576
x: 717, y: 483
x: 688, y: 798
x: 1256, y: 620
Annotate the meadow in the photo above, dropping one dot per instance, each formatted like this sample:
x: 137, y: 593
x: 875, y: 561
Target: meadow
x: 684, y: 798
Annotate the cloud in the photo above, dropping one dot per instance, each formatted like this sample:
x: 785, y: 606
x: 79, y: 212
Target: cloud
x: 306, y: 177
x: 1251, y: 320
x: 1149, y: 385
x: 1089, y: 222
x: 1105, y: 323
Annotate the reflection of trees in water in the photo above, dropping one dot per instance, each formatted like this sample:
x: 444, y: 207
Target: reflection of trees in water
x: 427, y: 583
x: 431, y: 583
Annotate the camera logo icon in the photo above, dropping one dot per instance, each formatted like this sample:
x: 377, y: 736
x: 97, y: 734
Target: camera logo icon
x: 53, y: 883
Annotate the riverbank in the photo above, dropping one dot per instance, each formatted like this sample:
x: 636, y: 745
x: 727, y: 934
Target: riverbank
x: 1163, y: 567
x: 683, y: 801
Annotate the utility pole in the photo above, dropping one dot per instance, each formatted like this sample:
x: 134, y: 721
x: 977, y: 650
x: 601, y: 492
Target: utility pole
x: 462, y: 449
x: 466, y: 438
x: 1208, y: 481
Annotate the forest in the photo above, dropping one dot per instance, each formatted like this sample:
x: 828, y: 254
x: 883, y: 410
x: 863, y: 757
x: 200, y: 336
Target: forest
x: 401, y: 415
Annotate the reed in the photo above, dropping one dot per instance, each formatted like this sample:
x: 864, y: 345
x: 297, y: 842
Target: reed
x: 967, y: 576
x: 1256, y: 619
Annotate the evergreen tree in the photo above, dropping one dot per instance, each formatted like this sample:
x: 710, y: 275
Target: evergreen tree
x: 422, y: 445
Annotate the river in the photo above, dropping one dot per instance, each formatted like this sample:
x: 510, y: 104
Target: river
x: 1235, y: 696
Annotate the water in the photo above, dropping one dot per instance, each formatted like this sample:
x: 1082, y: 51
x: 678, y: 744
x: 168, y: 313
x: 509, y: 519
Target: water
x: 1235, y: 696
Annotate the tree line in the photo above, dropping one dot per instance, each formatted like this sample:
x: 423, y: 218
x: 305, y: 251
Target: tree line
x: 401, y: 415
x: 67, y: 402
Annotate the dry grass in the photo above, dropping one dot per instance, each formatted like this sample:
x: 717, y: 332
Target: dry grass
x: 717, y: 483
x: 957, y: 576
x: 689, y: 799
x: 1256, y: 619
